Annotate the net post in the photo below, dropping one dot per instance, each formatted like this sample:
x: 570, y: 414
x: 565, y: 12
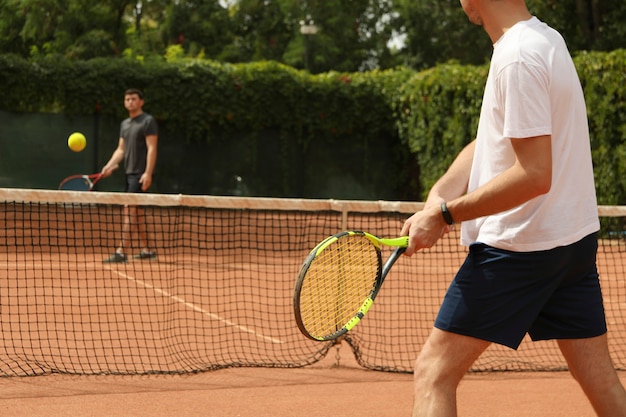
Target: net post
x: 344, y: 219
x: 337, y: 346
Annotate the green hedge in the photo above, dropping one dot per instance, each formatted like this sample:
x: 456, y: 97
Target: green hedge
x: 437, y: 112
x: 204, y: 96
x: 437, y: 115
x: 603, y: 76
x: 424, y: 118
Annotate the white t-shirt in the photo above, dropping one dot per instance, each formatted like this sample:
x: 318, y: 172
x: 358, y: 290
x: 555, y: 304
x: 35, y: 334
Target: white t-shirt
x: 532, y: 90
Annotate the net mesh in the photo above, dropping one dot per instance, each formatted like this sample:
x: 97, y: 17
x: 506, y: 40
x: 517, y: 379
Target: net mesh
x: 219, y: 294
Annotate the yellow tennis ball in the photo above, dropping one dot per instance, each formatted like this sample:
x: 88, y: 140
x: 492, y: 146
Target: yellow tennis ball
x: 77, y: 142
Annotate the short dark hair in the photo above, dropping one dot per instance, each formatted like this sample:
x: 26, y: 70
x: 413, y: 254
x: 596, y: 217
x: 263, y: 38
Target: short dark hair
x: 131, y: 91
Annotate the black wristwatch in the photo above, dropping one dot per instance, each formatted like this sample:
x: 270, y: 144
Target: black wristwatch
x: 446, y: 214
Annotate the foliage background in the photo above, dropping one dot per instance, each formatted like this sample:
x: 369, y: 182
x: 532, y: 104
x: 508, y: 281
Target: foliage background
x: 316, y: 126
x: 350, y: 35
x: 379, y: 97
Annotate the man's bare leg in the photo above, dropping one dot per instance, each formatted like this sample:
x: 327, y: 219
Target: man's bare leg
x: 591, y: 365
x: 440, y: 366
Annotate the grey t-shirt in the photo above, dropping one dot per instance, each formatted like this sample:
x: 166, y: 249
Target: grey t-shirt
x: 134, y: 132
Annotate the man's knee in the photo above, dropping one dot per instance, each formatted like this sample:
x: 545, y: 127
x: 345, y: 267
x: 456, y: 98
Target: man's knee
x: 446, y: 357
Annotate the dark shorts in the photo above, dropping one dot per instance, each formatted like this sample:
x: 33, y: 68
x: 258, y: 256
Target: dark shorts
x: 500, y: 295
x: 132, y: 183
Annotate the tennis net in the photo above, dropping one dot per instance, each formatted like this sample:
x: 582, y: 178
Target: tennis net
x: 219, y: 293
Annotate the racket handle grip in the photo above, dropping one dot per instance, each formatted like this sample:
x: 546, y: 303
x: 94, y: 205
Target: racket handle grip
x: 398, y: 241
x: 392, y: 260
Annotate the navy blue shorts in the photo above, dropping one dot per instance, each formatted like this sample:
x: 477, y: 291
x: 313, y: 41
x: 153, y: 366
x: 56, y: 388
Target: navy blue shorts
x: 499, y: 295
x: 132, y: 183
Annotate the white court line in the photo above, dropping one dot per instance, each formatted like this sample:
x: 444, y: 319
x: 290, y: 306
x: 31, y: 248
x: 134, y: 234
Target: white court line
x: 195, y: 307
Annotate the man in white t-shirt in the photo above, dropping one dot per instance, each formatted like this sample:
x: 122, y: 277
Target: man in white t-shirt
x: 524, y: 194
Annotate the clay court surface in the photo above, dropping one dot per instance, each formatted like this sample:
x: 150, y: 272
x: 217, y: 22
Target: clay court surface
x: 335, y: 386
x: 327, y: 388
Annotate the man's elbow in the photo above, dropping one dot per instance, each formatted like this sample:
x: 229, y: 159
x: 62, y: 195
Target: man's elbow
x: 542, y: 185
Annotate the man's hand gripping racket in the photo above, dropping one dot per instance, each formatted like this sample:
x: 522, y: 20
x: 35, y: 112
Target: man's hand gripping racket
x: 339, y: 281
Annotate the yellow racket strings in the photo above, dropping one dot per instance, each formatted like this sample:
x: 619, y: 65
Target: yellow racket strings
x: 337, y: 283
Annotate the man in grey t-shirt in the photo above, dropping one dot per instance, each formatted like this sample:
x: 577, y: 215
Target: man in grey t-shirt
x: 137, y: 148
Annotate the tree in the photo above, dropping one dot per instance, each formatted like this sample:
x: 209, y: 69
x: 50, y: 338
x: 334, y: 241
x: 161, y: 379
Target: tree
x: 201, y: 26
x: 351, y: 35
x: 438, y: 31
x: 262, y: 30
x: 11, y: 24
x: 77, y: 28
x: 585, y: 24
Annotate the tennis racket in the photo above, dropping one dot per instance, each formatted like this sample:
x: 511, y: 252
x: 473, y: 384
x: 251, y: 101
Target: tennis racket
x: 81, y: 182
x: 339, y: 281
